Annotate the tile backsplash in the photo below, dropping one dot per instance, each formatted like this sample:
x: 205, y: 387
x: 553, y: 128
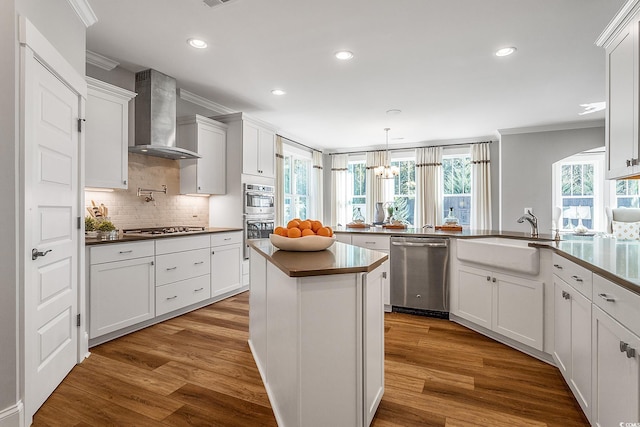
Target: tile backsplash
x: 127, y: 210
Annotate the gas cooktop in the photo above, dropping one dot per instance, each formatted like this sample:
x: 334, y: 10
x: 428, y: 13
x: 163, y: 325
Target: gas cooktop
x: 163, y: 230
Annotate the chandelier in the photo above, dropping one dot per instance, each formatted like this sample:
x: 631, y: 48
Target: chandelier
x: 386, y: 171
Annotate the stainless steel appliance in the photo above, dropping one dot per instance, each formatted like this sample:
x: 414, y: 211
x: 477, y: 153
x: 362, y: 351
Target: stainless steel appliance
x: 259, y: 199
x: 162, y: 230
x: 257, y: 227
x: 419, y: 279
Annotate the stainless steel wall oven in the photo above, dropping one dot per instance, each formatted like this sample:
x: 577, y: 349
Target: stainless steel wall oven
x: 256, y: 227
x: 259, y: 212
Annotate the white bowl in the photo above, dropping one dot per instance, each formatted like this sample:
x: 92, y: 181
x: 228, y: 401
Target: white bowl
x: 301, y: 244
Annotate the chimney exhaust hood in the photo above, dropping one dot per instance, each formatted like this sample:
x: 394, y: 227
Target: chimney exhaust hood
x: 155, y: 117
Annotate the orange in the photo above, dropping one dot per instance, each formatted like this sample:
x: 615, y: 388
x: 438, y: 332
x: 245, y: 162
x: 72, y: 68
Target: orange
x: 315, y: 225
x: 305, y: 225
x: 308, y: 232
x: 284, y: 232
x: 293, y: 223
x: 330, y: 230
x: 324, y: 231
x: 294, y: 232
x: 278, y: 230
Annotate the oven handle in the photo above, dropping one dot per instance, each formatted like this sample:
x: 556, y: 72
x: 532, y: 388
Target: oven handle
x: 259, y: 193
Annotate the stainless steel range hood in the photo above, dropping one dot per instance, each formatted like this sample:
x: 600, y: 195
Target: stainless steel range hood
x: 155, y: 133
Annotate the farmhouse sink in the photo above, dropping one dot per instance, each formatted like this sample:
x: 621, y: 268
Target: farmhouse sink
x: 497, y: 252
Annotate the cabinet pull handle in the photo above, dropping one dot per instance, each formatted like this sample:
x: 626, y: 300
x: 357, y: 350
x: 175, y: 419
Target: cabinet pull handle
x: 488, y: 278
x: 228, y: 238
x: 198, y: 290
x: 153, y: 263
x: 171, y: 268
x: 199, y: 262
x: 493, y: 279
x: 213, y: 252
x: 577, y: 279
x: 173, y: 297
x: 126, y: 252
x: 566, y: 295
x: 558, y: 266
x: 607, y: 298
x: 631, y: 353
x: 623, y: 346
x: 370, y: 243
x: 628, y: 163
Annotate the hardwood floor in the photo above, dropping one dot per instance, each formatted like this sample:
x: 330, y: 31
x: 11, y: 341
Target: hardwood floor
x: 197, y: 370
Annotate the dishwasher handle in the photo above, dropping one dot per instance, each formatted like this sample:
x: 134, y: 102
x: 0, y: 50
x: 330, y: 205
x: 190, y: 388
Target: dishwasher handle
x: 420, y: 245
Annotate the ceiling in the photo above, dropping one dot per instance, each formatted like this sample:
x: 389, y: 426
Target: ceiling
x: 432, y: 59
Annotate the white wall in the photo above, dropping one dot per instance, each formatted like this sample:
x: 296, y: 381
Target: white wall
x: 526, y: 169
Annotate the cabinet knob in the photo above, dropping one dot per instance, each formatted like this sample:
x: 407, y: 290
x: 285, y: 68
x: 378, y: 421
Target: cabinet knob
x: 493, y: 279
x: 628, y: 163
x: 566, y: 295
x: 623, y: 346
x: 488, y: 278
x: 199, y: 188
x: 124, y: 182
x: 631, y: 353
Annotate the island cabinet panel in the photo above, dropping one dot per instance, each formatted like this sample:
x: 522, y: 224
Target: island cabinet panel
x: 258, y: 315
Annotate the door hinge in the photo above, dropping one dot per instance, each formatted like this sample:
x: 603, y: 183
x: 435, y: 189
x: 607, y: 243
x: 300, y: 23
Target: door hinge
x: 78, y: 320
x: 79, y: 222
x: 80, y: 124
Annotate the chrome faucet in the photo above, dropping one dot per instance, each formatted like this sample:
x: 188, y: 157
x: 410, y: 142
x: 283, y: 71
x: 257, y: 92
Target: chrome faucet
x: 532, y: 220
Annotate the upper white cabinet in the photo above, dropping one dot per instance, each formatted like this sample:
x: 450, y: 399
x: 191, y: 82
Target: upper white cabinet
x: 257, y: 140
x: 107, y: 135
x: 208, y: 138
x: 621, y: 42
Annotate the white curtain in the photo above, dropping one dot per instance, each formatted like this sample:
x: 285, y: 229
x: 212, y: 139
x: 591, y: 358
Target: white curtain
x: 339, y: 167
x: 429, y: 196
x: 279, y: 181
x: 480, y: 186
x: 316, y: 182
x: 374, y: 185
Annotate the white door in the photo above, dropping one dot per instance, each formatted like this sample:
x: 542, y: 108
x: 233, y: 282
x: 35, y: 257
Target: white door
x: 50, y: 211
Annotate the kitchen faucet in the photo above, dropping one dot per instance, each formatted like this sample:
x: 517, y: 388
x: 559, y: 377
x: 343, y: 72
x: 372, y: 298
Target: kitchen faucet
x: 532, y: 220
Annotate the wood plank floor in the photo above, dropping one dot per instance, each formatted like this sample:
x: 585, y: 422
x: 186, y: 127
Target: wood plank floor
x: 197, y: 370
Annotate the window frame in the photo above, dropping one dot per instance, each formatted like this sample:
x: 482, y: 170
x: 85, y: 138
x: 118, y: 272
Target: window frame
x: 294, y: 153
x: 458, y: 152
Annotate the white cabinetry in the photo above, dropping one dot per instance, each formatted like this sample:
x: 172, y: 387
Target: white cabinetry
x: 107, y: 135
x: 381, y: 244
x: 258, y: 150
x: 121, y: 291
x: 572, y: 340
x: 182, y: 272
x: 226, y: 262
x: 509, y: 305
x: 621, y: 42
x: 208, y: 138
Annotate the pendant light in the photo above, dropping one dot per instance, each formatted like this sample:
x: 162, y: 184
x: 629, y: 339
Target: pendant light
x: 387, y: 171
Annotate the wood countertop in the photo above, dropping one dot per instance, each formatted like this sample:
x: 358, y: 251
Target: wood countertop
x: 138, y: 237
x: 340, y: 258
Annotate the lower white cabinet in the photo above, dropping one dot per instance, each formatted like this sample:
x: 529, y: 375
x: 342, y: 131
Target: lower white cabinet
x: 181, y: 294
x: 572, y: 340
x: 509, y: 305
x: 226, y: 262
x: 376, y: 243
x: 121, y: 293
x: 616, y: 373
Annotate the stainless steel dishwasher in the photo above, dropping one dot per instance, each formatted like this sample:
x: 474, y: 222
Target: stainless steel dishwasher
x: 419, y: 279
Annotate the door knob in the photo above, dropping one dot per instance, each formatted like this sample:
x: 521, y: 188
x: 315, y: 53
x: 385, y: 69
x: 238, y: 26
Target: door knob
x: 35, y: 253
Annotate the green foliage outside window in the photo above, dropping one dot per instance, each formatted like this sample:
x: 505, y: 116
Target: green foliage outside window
x: 456, y: 174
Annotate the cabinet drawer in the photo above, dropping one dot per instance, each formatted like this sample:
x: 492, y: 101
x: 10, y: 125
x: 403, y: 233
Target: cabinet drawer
x: 622, y: 304
x: 218, y: 239
x: 370, y: 241
x: 181, y: 294
x: 120, y: 251
x: 182, y: 265
x: 178, y: 244
x: 575, y: 275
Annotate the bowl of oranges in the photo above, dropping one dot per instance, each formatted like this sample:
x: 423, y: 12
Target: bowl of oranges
x: 303, y: 236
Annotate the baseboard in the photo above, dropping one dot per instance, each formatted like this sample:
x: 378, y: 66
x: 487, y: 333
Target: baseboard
x: 12, y: 416
x: 274, y: 407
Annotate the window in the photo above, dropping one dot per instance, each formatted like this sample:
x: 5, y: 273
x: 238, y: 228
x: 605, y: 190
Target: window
x: 628, y: 193
x: 297, y: 179
x: 356, y: 181
x: 404, y: 186
x: 456, y: 183
x: 577, y: 193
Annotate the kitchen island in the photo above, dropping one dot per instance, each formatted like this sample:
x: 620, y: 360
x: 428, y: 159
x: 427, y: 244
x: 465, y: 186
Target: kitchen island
x: 316, y: 331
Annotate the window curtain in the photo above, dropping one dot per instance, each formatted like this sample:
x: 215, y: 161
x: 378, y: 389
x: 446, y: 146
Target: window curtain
x: 480, y: 186
x: 429, y: 196
x: 279, y: 181
x: 374, y: 185
x: 339, y: 168
x: 317, y: 189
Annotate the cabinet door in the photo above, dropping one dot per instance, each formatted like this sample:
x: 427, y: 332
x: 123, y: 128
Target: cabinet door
x: 475, y: 295
x: 121, y: 294
x: 211, y: 168
x: 107, y: 135
x: 616, y: 377
x: 562, y: 327
x: 373, y: 324
x: 226, y: 269
x: 518, y: 309
x: 250, y: 152
x: 267, y: 153
x: 580, y: 350
x: 621, y: 136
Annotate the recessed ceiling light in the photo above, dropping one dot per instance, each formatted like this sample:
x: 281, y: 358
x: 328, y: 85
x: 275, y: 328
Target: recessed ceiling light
x: 278, y: 92
x: 394, y: 111
x: 506, y: 51
x: 344, y: 55
x: 197, y: 43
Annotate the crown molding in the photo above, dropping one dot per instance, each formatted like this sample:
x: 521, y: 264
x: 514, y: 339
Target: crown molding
x: 108, y: 88
x: 84, y: 12
x: 618, y: 23
x: 203, y: 102
x: 555, y: 127
x: 101, y: 61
